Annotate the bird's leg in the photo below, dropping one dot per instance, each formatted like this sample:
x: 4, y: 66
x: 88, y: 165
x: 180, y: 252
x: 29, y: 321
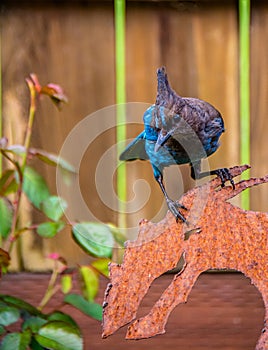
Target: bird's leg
x: 172, y: 205
x: 224, y: 174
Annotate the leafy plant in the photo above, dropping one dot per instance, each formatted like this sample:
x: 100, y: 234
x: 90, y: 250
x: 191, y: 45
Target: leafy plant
x: 56, y: 330
x: 39, y: 330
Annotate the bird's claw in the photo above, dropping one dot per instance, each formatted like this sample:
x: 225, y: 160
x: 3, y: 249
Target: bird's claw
x: 173, y: 207
x: 181, y: 206
x: 225, y: 175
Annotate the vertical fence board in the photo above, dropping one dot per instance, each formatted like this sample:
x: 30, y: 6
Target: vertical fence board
x: 74, y: 46
x: 259, y: 98
x: 71, y: 46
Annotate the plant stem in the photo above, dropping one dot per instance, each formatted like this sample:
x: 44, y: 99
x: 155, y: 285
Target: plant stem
x: 13, y: 234
x: 51, y: 288
x: 1, y: 98
x: 29, y: 129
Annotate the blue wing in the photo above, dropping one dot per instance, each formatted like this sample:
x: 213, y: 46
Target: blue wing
x: 136, y: 149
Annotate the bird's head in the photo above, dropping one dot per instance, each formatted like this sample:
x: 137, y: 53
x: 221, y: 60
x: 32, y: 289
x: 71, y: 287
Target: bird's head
x: 162, y: 138
x: 160, y: 117
x: 160, y: 124
x: 164, y: 124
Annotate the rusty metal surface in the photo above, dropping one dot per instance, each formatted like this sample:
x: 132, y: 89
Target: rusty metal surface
x: 230, y: 238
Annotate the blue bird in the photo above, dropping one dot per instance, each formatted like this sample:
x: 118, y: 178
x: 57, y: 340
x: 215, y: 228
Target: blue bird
x: 177, y: 130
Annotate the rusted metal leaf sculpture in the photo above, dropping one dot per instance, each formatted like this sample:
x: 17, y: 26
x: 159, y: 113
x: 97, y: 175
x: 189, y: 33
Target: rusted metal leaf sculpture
x: 221, y: 236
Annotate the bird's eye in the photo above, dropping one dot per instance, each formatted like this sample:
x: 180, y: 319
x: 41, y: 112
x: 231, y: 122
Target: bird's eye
x: 176, y: 117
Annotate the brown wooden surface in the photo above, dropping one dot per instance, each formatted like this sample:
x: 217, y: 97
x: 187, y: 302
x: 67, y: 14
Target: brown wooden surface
x: 73, y: 45
x: 224, y: 311
x: 259, y: 98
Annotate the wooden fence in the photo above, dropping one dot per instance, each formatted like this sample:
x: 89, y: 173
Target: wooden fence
x: 72, y: 43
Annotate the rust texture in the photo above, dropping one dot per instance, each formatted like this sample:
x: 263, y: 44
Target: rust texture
x: 223, y: 236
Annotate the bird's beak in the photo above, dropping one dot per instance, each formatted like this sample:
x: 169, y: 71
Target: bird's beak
x: 162, y: 138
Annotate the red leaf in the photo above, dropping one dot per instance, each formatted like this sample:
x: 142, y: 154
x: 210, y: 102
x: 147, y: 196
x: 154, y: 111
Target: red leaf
x: 35, y: 82
x: 55, y: 92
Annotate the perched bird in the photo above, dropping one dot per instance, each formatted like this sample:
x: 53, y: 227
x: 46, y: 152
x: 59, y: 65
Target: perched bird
x: 177, y: 130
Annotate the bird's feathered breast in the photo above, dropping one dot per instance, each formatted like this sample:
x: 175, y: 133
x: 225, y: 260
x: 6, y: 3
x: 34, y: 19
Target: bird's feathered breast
x: 193, y: 124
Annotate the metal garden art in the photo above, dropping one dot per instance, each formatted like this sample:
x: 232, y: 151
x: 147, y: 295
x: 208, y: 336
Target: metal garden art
x: 223, y: 237
x: 208, y: 233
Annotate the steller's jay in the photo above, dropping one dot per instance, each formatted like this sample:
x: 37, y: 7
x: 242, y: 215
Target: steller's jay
x: 177, y: 130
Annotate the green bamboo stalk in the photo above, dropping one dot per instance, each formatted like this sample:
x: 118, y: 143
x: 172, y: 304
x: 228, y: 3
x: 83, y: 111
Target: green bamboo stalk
x: 244, y: 54
x: 119, y: 17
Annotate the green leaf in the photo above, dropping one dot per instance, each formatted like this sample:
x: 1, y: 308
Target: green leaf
x: 35, y: 346
x: 95, y: 238
x: 50, y: 229
x: 35, y: 187
x: 89, y: 308
x: 4, y: 261
x: 18, y: 150
x: 33, y: 323
x: 66, y: 283
x: 119, y: 237
x: 6, y: 215
x: 20, y: 304
x: 53, y: 207
x: 52, y: 159
x: 2, y: 330
x: 61, y: 316
x: 8, y: 315
x: 16, y: 341
x: 90, y: 282
x: 58, y: 335
x: 8, y: 183
x: 102, y: 265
